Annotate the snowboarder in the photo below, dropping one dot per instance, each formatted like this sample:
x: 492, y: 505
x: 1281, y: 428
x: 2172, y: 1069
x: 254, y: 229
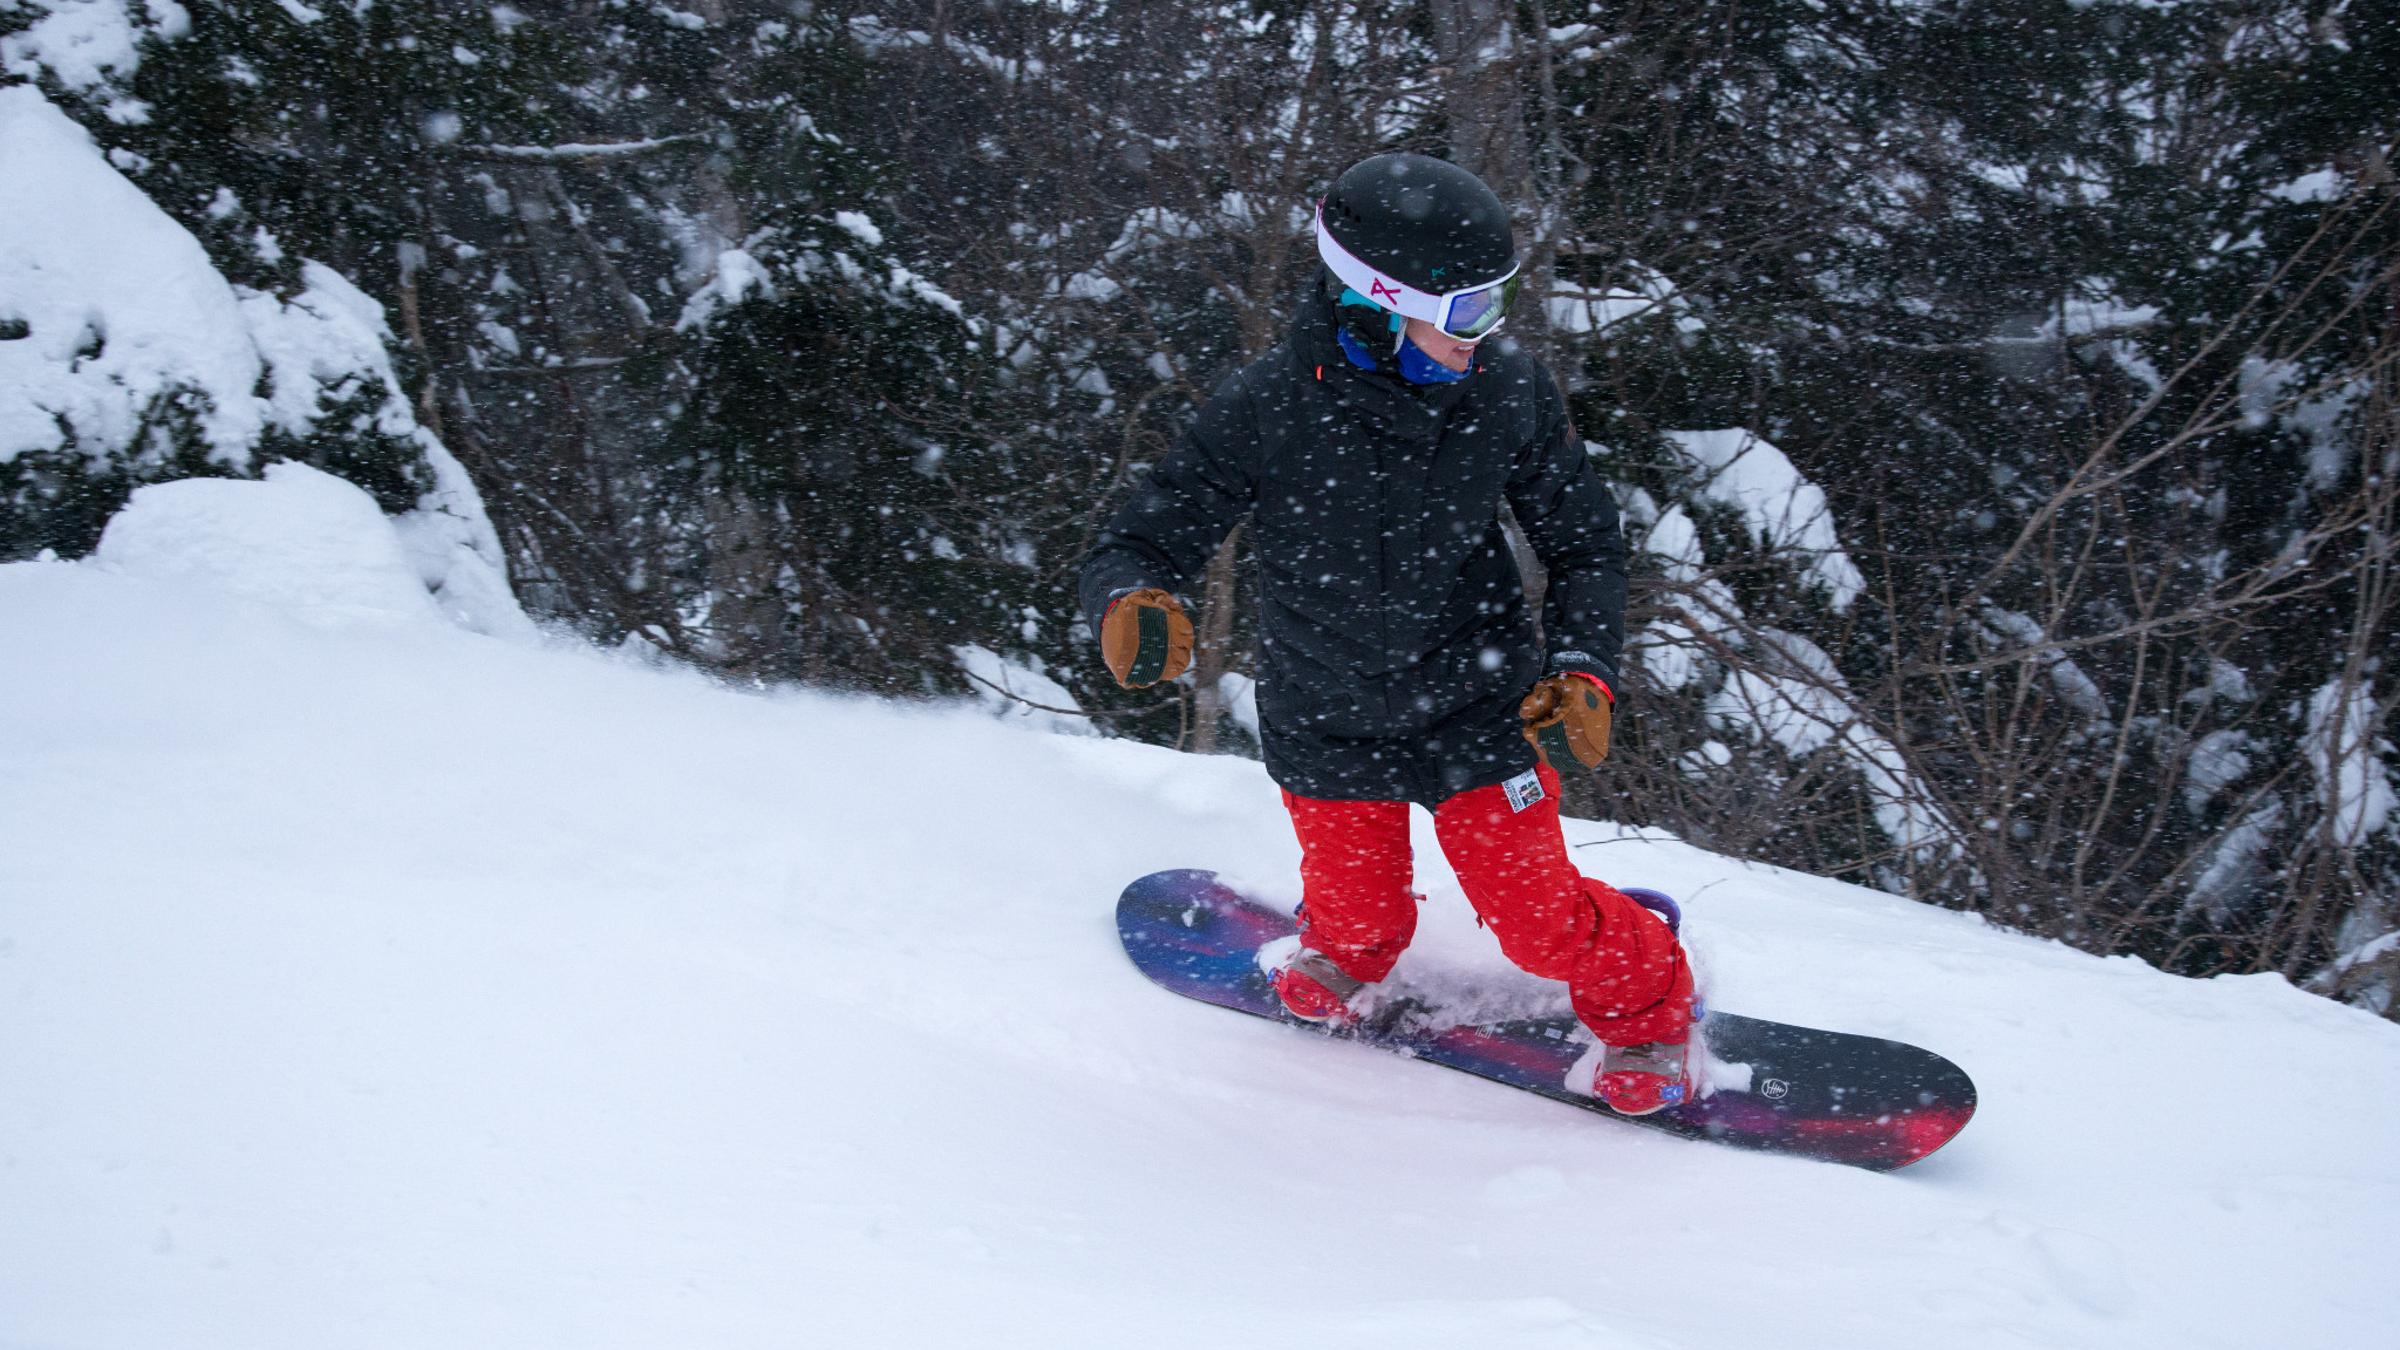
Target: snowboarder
x: 1372, y: 450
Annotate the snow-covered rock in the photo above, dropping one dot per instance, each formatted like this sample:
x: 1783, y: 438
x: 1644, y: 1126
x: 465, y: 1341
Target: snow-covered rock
x: 299, y: 540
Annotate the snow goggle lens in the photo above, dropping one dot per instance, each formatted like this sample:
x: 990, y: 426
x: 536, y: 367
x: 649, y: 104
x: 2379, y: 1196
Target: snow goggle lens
x: 1472, y: 314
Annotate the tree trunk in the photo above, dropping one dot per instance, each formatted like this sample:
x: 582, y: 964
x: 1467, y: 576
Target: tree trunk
x: 1213, y: 647
x: 1478, y: 45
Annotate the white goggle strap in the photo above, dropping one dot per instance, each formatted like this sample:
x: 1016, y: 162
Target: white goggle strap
x: 1396, y: 296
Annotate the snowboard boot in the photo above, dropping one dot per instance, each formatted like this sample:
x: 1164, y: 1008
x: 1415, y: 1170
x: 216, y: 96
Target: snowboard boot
x: 1314, y: 989
x: 1636, y: 1080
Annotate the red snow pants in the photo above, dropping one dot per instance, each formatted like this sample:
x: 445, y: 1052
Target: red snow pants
x: 1625, y: 973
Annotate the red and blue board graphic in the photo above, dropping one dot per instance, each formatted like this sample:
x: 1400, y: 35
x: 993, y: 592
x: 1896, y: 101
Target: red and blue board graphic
x: 1858, y: 1100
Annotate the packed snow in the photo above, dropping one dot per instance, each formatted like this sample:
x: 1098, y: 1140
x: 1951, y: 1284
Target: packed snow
x: 372, y: 981
x: 1574, y: 308
x: 2347, y: 755
x: 1810, y: 707
x: 120, y: 308
x: 83, y: 44
x: 1778, y: 507
x: 120, y: 305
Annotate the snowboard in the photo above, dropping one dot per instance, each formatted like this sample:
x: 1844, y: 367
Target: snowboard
x: 1830, y: 1095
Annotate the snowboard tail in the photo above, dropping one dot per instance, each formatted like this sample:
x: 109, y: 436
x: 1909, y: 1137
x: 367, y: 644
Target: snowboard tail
x: 1858, y: 1100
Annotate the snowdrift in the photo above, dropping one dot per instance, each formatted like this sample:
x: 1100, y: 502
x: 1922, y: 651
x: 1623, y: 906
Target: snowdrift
x: 373, y: 982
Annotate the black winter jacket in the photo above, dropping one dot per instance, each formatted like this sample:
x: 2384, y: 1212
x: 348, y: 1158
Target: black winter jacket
x: 1395, y: 640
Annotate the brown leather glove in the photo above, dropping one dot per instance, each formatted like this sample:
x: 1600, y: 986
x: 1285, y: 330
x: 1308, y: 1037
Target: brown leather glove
x: 1145, y: 638
x: 1566, y: 716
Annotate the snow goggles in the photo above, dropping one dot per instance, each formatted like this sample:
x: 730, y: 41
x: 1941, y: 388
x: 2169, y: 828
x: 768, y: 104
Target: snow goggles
x: 1468, y: 314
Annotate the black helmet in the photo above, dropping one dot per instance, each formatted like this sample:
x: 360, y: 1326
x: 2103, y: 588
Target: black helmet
x: 1421, y: 238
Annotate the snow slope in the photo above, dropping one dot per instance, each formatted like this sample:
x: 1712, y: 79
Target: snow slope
x: 366, y: 982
